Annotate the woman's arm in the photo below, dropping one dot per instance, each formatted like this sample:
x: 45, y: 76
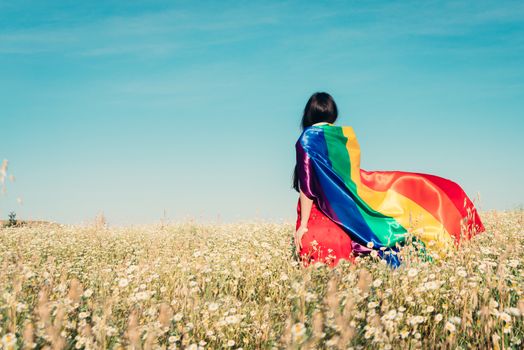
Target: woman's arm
x: 307, y: 191
x: 305, y: 211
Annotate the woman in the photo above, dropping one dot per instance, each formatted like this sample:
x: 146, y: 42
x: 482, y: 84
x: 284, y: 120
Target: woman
x: 317, y: 237
x: 345, y: 211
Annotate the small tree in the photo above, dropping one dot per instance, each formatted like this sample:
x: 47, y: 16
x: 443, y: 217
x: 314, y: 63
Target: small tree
x: 12, y: 219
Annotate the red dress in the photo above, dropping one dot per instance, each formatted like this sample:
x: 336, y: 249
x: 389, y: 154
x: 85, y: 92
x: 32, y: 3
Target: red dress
x: 324, y: 241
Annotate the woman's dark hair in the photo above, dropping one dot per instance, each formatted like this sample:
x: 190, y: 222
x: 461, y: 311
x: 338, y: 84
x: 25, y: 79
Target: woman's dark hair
x: 319, y: 108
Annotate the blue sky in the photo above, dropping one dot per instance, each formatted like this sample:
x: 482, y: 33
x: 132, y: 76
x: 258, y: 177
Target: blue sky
x: 131, y: 108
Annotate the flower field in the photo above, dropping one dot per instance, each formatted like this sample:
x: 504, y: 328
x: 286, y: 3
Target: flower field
x: 236, y: 286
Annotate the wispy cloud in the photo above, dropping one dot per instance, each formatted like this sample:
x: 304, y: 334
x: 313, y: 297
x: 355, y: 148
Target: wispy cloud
x: 158, y: 33
x: 179, y: 30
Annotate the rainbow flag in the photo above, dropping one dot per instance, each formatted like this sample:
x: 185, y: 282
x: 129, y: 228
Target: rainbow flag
x: 378, y: 209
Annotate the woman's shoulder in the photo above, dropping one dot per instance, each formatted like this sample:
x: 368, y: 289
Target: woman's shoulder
x: 309, y: 132
x: 327, y: 129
